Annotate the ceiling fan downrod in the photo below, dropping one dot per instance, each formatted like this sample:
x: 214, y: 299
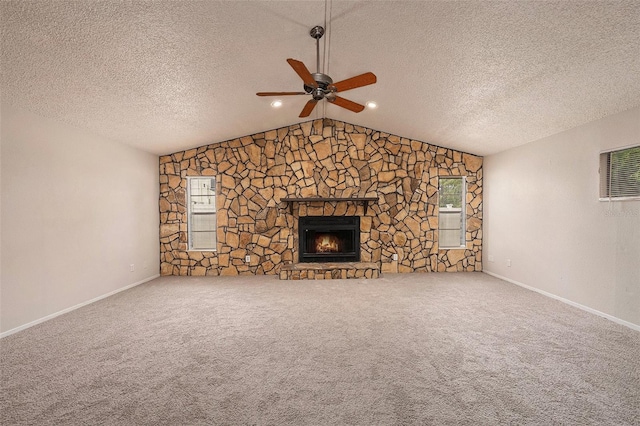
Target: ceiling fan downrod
x: 317, y: 32
x: 323, y: 81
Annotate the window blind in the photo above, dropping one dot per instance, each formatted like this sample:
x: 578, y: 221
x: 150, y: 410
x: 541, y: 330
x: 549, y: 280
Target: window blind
x: 201, y: 223
x: 620, y: 173
x: 451, y: 222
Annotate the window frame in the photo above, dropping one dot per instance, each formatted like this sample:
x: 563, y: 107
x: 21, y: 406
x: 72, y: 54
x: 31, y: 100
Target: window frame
x: 201, y: 212
x: 604, y: 189
x: 463, y: 213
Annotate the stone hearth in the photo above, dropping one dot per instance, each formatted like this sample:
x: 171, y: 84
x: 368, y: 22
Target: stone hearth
x: 327, y: 271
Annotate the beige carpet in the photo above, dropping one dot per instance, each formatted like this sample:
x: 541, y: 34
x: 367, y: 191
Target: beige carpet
x: 442, y: 349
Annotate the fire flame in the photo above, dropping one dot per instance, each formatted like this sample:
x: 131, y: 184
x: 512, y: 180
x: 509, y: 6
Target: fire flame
x: 327, y: 244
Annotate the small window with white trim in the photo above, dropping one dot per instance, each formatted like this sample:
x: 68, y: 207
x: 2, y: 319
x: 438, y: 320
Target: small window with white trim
x: 452, y: 212
x: 620, y: 174
x: 201, y: 222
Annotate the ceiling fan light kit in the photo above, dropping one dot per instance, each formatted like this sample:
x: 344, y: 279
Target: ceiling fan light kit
x: 320, y: 86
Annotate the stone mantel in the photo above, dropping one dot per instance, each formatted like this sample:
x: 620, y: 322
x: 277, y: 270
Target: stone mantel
x: 364, y: 200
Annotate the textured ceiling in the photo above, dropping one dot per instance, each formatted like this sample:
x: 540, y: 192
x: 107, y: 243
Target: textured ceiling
x: 476, y: 76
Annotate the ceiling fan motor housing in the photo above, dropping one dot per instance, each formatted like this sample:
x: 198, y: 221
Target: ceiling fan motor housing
x: 318, y: 94
x: 323, y: 89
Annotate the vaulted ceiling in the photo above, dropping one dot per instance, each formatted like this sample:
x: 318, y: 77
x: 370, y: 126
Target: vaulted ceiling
x: 478, y: 76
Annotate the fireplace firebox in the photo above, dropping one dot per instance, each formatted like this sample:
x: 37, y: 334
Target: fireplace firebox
x: 329, y: 238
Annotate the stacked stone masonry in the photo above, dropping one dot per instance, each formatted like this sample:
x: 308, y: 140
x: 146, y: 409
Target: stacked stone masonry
x: 327, y: 271
x: 320, y: 158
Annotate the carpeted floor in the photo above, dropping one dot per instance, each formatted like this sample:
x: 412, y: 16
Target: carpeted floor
x: 441, y: 349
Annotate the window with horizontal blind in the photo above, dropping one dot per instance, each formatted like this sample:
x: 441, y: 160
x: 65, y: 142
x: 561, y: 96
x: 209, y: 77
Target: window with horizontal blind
x: 201, y: 222
x: 451, y: 217
x: 620, y: 174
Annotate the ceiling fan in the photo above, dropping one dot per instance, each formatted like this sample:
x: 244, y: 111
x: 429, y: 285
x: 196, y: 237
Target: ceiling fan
x: 321, y: 86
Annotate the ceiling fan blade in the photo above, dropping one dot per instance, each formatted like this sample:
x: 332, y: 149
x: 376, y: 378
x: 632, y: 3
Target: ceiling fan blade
x: 306, y: 111
x: 280, y: 93
x: 354, y: 82
x: 303, y: 72
x: 346, y: 103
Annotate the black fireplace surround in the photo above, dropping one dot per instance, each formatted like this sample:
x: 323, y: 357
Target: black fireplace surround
x: 329, y: 238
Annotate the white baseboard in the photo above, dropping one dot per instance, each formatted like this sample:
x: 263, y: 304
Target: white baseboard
x: 73, y: 308
x: 568, y: 302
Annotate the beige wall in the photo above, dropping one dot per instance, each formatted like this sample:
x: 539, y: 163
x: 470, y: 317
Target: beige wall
x: 77, y: 210
x: 542, y: 212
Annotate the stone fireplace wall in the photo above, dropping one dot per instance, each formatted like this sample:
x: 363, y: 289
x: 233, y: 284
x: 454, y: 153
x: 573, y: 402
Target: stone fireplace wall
x: 321, y: 158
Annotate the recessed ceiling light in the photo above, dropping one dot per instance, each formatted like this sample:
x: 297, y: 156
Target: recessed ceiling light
x: 277, y: 103
x: 372, y: 105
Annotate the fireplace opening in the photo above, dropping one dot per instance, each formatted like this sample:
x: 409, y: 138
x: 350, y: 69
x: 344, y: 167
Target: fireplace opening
x: 328, y: 243
x: 329, y: 238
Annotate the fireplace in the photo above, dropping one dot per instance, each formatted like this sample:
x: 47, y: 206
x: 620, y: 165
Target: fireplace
x: 329, y: 238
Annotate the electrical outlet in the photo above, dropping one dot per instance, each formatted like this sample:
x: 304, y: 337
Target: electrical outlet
x: 491, y: 258
x: 132, y: 267
x: 395, y: 256
x: 509, y: 263
x: 247, y: 258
